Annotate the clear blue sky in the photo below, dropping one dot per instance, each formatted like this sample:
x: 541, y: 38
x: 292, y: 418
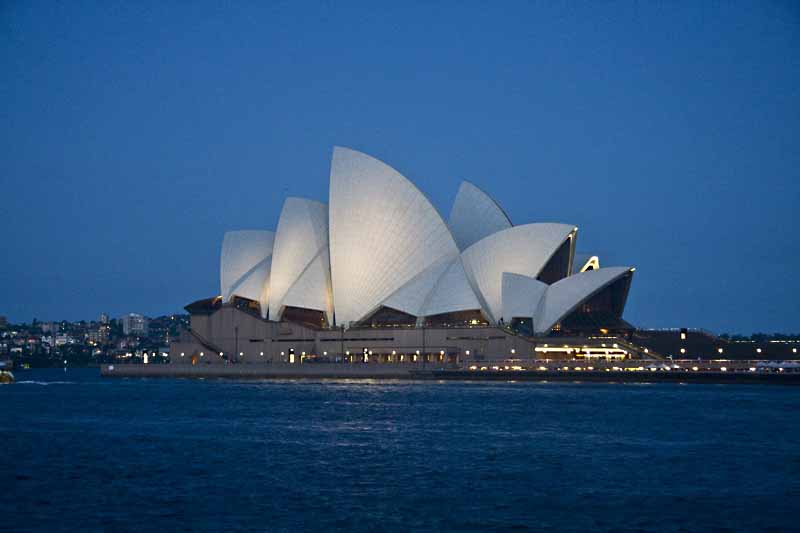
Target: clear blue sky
x: 134, y: 134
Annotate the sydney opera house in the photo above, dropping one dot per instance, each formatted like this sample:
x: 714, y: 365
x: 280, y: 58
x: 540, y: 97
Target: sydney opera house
x: 378, y: 275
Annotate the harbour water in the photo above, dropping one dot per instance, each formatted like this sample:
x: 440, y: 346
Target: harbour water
x: 83, y: 452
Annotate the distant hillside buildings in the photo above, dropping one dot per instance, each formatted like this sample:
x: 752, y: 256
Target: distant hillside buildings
x: 135, y: 324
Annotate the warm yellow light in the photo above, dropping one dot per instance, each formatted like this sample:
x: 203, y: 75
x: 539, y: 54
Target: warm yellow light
x: 719, y: 350
x: 683, y: 350
x: 513, y: 351
x: 645, y: 350
x: 394, y: 352
x: 724, y: 369
x: 694, y: 368
x: 441, y: 352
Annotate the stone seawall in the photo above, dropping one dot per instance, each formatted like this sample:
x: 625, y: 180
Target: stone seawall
x: 259, y: 371
x: 349, y: 371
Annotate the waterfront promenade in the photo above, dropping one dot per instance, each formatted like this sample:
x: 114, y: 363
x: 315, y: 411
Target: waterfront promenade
x: 628, y: 372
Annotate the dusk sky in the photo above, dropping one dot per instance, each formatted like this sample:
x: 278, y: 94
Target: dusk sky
x: 133, y: 135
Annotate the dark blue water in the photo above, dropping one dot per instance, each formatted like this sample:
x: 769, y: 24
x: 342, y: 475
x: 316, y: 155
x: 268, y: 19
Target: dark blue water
x: 83, y: 452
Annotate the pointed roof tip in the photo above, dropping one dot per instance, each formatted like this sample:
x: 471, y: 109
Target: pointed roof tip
x: 245, y: 231
x: 475, y: 215
x: 339, y: 149
x: 301, y: 199
x: 467, y: 183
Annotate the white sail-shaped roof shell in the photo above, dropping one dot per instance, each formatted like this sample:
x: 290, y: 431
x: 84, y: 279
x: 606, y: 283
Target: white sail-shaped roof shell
x: 441, y: 288
x: 411, y: 297
x: 383, y: 232
x: 245, y: 264
x: 312, y: 289
x: 301, y: 236
x: 563, y: 296
x: 521, y: 295
x: 521, y: 249
x: 475, y: 215
x: 452, y: 292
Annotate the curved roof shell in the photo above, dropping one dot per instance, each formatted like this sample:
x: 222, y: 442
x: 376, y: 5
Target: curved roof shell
x: 301, y: 236
x: 475, y: 215
x: 411, y: 297
x: 452, y: 292
x: 521, y: 295
x: 383, y: 233
x: 245, y: 264
x: 312, y: 289
x: 522, y: 250
x: 562, y: 297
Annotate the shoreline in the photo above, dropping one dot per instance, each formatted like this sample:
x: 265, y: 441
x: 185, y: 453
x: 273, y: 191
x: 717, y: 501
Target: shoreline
x: 369, y: 372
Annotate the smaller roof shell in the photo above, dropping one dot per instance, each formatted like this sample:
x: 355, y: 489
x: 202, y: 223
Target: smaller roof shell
x: 522, y: 250
x: 475, y: 215
x: 521, y: 296
x: 245, y: 263
x: 563, y: 296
